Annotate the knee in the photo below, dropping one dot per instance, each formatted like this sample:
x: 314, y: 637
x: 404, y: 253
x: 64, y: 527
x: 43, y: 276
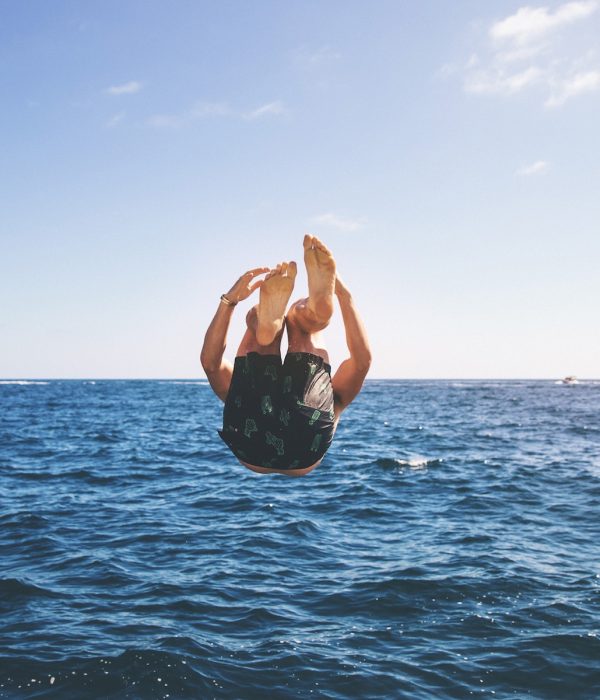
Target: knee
x: 305, y: 321
x: 302, y: 318
x: 252, y: 317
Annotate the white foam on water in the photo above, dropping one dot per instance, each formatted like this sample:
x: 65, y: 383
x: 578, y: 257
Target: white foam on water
x: 416, y: 462
x: 199, y: 382
x: 20, y: 382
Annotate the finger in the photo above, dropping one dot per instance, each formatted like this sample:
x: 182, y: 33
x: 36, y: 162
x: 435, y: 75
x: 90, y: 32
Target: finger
x: 257, y: 271
x: 254, y: 286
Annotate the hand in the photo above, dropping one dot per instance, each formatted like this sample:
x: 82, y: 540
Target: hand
x: 244, y: 287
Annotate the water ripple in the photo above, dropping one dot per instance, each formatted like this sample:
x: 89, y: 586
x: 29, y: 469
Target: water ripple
x: 446, y: 548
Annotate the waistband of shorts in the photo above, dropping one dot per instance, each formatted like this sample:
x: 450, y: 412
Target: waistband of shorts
x: 256, y: 356
x: 312, y: 357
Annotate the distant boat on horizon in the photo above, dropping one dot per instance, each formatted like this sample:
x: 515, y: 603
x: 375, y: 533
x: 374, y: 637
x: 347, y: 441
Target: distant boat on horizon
x: 570, y: 379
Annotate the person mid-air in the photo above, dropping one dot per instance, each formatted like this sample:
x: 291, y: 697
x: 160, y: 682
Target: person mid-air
x: 281, y: 417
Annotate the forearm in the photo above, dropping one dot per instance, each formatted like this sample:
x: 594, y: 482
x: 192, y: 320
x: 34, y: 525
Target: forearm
x: 215, y: 339
x: 356, y: 334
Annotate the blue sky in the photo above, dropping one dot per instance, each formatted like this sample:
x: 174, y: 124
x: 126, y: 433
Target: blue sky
x: 150, y: 152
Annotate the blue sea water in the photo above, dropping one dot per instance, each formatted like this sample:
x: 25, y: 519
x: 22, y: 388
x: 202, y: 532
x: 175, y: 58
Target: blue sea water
x: 447, y: 547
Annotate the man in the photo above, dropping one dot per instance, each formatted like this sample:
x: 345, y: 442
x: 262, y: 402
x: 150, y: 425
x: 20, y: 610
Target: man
x: 281, y: 417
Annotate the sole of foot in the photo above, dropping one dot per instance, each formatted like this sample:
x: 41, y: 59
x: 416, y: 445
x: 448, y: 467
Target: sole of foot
x: 320, y: 268
x: 275, y: 293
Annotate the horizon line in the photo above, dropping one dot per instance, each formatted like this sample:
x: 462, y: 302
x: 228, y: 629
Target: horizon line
x: 195, y: 379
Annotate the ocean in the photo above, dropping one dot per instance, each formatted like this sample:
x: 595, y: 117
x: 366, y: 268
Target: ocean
x: 447, y: 547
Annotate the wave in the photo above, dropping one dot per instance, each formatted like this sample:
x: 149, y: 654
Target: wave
x: 25, y: 519
x: 195, y: 382
x: 12, y: 589
x: 414, y: 463
x: 107, y: 437
x: 76, y: 473
x: 132, y: 673
x: 21, y: 382
x: 578, y: 382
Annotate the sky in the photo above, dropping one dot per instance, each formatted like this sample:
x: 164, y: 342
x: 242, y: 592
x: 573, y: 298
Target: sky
x: 447, y: 153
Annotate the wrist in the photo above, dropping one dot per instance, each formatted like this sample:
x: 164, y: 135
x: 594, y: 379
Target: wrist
x: 226, y: 300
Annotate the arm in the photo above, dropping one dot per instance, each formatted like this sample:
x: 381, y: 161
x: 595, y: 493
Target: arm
x: 218, y: 370
x: 349, y: 378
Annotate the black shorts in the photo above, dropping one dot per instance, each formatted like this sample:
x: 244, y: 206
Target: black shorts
x: 279, y: 415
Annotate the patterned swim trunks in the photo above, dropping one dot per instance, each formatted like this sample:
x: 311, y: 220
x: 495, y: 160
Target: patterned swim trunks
x: 279, y: 415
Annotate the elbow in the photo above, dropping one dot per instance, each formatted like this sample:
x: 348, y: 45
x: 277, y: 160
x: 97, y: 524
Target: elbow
x: 364, y: 362
x: 208, y: 365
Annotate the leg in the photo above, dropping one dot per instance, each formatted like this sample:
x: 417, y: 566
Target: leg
x: 299, y: 339
x: 250, y: 343
x: 275, y: 292
x: 313, y: 314
x: 265, y: 321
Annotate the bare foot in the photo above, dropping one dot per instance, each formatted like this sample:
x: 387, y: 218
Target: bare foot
x: 275, y: 293
x: 320, y: 267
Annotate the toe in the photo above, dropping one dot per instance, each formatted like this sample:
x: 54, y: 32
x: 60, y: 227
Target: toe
x: 320, y: 245
x: 284, y: 267
x: 307, y: 242
x: 292, y: 269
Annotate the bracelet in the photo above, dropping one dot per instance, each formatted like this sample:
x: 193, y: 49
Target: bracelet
x: 227, y: 301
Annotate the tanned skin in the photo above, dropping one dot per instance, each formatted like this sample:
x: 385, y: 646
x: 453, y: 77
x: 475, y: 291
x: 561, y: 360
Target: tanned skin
x: 304, y: 321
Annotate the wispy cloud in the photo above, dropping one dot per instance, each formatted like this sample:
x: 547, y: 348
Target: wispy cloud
x: 532, y: 49
x: 200, y: 110
x: 539, y: 166
x: 205, y: 110
x: 129, y: 88
x: 577, y: 84
x: 501, y: 82
x: 332, y: 220
x: 530, y: 24
x: 115, y: 120
x: 270, y: 109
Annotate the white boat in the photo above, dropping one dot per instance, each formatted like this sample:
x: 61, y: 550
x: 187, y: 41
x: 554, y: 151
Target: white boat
x: 570, y: 380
